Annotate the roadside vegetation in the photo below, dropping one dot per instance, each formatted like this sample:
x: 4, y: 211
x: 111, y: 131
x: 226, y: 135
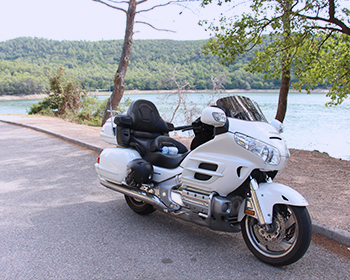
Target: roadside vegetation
x: 69, y: 101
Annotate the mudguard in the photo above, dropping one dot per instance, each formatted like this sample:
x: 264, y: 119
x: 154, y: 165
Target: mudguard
x: 270, y: 194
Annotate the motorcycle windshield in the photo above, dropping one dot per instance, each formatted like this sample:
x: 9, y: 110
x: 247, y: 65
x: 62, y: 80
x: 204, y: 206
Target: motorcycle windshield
x: 241, y: 107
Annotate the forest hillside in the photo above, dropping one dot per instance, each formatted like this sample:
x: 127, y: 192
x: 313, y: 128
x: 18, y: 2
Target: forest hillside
x: 24, y: 63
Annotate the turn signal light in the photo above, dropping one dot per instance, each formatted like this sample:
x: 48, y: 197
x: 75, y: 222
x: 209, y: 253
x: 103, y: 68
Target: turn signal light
x: 250, y: 212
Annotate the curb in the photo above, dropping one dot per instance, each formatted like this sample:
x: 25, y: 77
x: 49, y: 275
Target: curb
x: 330, y: 232
x: 63, y: 137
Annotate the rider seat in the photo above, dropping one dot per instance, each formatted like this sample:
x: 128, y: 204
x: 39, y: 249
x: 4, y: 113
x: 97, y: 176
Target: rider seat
x: 143, y: 129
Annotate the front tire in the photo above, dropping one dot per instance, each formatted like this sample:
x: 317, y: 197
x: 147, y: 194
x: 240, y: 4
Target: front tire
x: 138, y: 206
x: 287, y: 240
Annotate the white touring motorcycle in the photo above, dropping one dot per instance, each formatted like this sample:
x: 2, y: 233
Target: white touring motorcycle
x: 224, y: 182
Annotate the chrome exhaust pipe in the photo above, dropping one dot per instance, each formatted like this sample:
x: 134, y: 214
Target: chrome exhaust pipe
x: 137, y: 194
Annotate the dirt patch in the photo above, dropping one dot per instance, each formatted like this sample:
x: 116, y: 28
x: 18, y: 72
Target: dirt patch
x: 330, y: 245
x: 324, y: 182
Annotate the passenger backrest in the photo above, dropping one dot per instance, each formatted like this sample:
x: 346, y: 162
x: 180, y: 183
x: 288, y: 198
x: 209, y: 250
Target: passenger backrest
x: 141, y: 123
x: 146, y: 117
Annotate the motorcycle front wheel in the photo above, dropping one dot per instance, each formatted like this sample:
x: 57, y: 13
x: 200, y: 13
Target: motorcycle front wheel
x: 138, y: 206
x: 285, y: 241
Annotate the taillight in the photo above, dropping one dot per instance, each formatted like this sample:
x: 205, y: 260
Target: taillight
x: 98, y: 160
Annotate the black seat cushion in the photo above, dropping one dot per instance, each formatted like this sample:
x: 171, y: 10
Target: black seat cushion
x: 163, y: 141
x: 165, y: 160
x: 155, y: 157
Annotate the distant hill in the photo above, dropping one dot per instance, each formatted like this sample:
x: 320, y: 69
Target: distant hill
x: 25, y: 61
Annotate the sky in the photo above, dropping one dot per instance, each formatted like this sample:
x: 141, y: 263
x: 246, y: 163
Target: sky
x: 92, y: 21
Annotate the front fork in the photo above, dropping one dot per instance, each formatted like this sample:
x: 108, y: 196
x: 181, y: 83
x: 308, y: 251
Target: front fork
x: 253, y: 207
x: 264, y: 196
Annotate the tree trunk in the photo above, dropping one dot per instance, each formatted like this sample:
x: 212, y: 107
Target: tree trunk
x: 282, y: 99
x: 119, y: 77
x: 286, y: 63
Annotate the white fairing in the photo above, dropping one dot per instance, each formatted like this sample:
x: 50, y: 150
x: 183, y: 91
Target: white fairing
x: 107, y: 133
x: 226, y: 157
x: 262, y: 131
x: 278, y: 125
x: 265, y: 132
x: 162, y: 174
x: 113, y: 162
x: 270, y: 194
x: 233, y: 163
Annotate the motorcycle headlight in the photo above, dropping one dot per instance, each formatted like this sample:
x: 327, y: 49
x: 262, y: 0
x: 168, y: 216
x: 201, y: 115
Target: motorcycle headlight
x: 266, y: 152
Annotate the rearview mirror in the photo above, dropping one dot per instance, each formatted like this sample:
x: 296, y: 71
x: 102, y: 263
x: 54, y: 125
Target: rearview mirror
x: 213, y: 116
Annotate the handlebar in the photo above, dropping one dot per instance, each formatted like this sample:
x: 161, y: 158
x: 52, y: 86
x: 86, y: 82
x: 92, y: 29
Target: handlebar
x: 184, y: 127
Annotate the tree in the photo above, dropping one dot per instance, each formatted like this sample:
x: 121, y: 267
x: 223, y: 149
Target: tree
x: 119, y: 77
x: 300, y: 37
x: 327, y: 50
x: 65, y: 99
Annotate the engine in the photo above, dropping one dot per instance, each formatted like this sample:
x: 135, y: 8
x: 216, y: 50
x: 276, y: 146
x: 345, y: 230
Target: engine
x: 205, y: 205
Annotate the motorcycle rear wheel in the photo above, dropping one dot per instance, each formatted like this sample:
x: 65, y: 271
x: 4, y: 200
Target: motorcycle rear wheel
x: 138, y: 206
x: 286, y: 242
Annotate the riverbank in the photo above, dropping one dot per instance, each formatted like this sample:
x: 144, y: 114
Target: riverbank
x: 135, y: 92
x: 23, y: 97
x: 132, y: 92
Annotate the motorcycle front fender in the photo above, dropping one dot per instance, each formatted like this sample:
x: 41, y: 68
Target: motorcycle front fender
x: 268, y: 195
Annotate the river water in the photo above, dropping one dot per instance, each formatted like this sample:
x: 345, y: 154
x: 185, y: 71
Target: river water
x: 309, y: 124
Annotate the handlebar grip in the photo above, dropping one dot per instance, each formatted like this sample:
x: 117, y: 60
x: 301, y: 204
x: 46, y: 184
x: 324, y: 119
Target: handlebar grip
x: 184, y: 127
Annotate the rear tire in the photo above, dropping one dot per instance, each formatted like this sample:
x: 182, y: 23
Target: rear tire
x: 288, y: 240
x: 138, y: 206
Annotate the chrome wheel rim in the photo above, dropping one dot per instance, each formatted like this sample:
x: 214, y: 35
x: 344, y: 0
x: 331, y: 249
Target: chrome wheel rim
x: 282, y: 236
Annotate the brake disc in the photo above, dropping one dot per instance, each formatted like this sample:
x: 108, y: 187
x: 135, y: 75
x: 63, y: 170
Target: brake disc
x: 274, y: 237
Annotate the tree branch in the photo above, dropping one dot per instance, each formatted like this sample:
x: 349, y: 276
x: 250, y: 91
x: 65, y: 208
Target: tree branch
x: 118, y: 2
x: 258, y: 33
x: 331, y: 10
x: 326, y: 28
x: 156, y: 6
x: 146, y: 23
x: 323, y: 42
x: 332, y: 19
x: 141, y: 2
x: 117, y: 8
x: 295, y: 4
x: 344, y: 28
x: 165, y: 4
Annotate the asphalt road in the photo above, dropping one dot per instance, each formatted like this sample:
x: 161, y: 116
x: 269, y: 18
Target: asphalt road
x: 57, y: 222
